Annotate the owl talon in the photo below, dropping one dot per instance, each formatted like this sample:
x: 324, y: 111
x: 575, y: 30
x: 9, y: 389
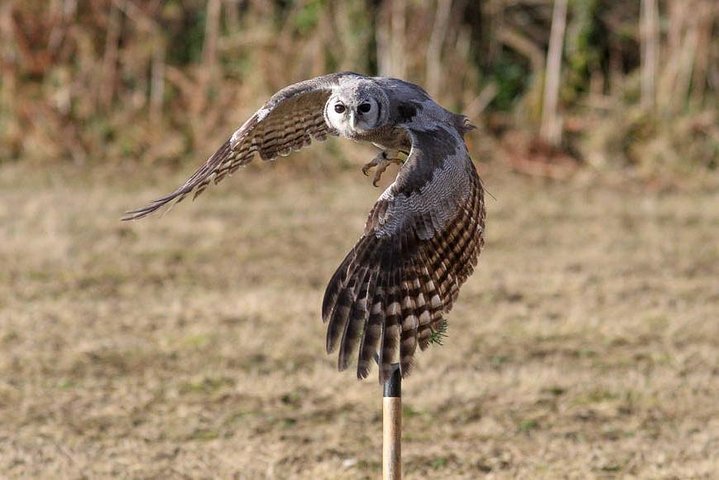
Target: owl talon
x: 381, y: 162
x: 378, y: 174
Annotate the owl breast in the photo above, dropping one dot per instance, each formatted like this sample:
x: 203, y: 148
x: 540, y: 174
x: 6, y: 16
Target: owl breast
x: 387, y: 137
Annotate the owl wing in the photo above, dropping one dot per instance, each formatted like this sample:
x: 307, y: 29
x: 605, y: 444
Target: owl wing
x: 290, y: 120
x: 420, y: 243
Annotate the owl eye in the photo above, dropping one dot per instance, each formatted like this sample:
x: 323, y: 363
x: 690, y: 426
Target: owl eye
x: 339, y: 108
x: 365, y: 107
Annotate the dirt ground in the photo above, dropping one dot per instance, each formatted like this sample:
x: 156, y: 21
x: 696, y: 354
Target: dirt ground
x: 190, y: 345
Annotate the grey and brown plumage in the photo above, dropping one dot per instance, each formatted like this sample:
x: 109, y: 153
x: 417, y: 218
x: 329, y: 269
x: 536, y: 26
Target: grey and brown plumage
x: 423, y: 236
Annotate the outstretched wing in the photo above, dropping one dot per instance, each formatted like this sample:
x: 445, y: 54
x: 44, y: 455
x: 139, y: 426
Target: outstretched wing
x: 420, y: 243
x: 290, y: 120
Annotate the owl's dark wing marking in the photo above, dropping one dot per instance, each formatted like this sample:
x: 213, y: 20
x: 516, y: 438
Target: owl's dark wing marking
x: 290, y: 120
x: 420, y: 244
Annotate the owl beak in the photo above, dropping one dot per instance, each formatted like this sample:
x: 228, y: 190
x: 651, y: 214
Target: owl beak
x: 353, y: 119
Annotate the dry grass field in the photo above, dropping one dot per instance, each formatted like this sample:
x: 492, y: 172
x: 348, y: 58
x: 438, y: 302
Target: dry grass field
x: 190, y: 345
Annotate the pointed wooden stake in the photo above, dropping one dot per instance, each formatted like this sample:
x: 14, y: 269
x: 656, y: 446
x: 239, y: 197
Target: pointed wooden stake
x: 392, y: 427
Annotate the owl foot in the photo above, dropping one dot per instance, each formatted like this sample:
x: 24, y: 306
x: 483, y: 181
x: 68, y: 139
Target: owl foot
x: 381, y: 161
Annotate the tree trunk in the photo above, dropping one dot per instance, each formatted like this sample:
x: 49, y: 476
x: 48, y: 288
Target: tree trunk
x: 650, y: 45
x: 551, y: 129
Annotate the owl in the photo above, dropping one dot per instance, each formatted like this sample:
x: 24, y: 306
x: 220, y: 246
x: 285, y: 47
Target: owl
x: 394, y: 289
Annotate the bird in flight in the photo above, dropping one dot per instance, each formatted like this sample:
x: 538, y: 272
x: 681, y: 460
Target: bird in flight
x: 421, y: 241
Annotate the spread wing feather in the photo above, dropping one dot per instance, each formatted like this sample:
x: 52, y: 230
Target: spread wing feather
x: 421, y: 242
x: 289, y: 121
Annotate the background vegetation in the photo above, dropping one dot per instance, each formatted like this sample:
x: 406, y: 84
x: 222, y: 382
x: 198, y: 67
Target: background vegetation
x: 622, y: 83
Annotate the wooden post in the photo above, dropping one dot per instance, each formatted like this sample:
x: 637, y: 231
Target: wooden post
x: 392, y: 427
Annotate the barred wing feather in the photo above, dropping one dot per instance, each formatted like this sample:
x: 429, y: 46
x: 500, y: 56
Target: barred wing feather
x: 420, y: 244
x: 289, y: 121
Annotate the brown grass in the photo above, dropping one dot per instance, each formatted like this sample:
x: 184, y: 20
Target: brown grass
x: 190, y: 346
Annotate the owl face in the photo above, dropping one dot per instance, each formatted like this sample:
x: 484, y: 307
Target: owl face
x: 355, y: 111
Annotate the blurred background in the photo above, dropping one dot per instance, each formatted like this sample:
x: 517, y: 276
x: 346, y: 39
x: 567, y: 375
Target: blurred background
x: 607, y: 84
x: 190, y: 344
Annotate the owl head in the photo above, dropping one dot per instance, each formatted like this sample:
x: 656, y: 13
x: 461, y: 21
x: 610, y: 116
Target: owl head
x: 356, y: 109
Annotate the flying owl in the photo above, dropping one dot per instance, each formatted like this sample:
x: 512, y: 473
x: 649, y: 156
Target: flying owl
x: 421, y: 241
